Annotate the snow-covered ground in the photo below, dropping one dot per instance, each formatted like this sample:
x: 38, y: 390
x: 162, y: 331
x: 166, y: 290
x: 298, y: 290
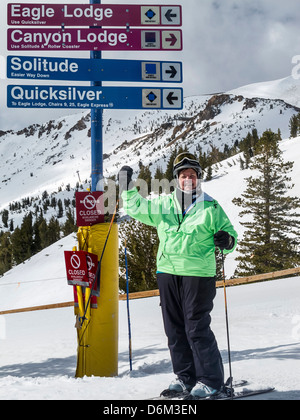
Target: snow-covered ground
x: 287, y: 89
x: 38, y: 349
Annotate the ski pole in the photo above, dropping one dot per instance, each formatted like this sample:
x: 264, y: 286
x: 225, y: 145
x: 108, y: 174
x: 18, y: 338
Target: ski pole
x: 227, y: 324
x: 128, y: 312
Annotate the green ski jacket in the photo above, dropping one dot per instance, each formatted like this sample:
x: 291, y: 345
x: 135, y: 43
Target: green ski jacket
x: 186, y: 245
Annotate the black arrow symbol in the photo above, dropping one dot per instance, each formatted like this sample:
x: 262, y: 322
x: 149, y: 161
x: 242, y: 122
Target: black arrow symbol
x: 172, y: 40
x: 169, y: 15
x: 172, y: 72
x: 171, y: 98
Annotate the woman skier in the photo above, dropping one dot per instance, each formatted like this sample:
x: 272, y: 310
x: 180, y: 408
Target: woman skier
x: 190, y: 225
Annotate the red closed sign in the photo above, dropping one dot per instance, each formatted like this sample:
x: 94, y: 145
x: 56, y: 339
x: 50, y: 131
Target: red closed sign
x: 81, y: 268
x: 89, y: 208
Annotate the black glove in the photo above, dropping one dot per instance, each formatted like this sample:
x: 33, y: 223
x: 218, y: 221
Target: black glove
x: 124, y: 178
x: 223, y: 240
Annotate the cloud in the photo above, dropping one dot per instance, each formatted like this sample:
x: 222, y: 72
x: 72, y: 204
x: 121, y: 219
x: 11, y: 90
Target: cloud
x: 240, y: 42
x: 227, y: 44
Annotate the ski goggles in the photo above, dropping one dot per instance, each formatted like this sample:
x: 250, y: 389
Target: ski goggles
x: 185, y: 161
x: 185, y: 157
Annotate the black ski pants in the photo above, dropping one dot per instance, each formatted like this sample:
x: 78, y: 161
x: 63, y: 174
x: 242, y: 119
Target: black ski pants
x: 186, y: 303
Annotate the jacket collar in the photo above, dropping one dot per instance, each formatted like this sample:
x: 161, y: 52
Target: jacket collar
x: 197, y: 199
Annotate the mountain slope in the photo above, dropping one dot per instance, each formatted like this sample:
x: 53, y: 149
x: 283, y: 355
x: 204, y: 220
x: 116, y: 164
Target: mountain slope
x: 33, y: 283
x: 286, y: 89
x: 55, y: 154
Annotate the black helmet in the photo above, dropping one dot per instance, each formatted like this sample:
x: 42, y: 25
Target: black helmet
x: 186, y: 161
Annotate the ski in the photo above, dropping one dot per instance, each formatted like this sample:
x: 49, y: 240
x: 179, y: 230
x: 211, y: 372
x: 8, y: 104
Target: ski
x: 185, y: 395
x: 175, y: 397
x: 220, y: 397
x: 238, y: 395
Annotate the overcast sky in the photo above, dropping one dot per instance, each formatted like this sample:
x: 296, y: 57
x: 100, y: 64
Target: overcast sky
x: 227, y: 44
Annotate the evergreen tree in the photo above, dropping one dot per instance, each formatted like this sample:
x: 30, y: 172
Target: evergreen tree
x: 37, y: 242
x: 17, y: 246
x: 53, y: 231
x: 45, y: 195
x: 169, y: 171
x: 204, y: 160
x: 53, y: 202
x: 11, y: 225
x: 60, y: 212
x: 294, y: 126
x: 159, y: 175
x: 271, y: 240
x: 242, y: 164
x: 70, y: 224
x: 160, y: 185
x: 5, y: 215
x: 5, y: 252
x: 22, y: 240
x: 46, y: 204
x: 145, y: 174
x: 142, y: 246
x: 215, y: 155
x: 27, y: 234
x: 43, y: 233
x: 247, y: 146
x: 209, y: 174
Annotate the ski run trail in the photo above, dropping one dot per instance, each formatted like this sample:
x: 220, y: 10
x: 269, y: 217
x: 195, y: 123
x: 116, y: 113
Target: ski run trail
x: 39, y: 349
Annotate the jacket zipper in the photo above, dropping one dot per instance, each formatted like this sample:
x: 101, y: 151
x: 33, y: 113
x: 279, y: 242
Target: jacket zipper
x: 184, y: 214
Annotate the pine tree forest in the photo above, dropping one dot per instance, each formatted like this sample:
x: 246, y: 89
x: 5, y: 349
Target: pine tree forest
x: 36, y: 231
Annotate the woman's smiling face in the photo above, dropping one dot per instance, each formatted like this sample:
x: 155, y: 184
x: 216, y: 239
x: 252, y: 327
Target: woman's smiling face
x: 188, y: 180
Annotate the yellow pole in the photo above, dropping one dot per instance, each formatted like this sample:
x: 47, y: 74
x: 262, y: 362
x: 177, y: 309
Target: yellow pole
x: 99, y: 355
x: 80, y: 301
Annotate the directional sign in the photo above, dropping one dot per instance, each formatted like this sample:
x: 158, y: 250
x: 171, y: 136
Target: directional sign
x: 94, y: 39
x: 45, y: 68
x: 25, y: 96
x: 93, y: 15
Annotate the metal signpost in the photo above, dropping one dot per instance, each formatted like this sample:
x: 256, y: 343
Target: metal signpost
x: 104, y: 34
x: 96, y: 128
x: 94, y: 27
